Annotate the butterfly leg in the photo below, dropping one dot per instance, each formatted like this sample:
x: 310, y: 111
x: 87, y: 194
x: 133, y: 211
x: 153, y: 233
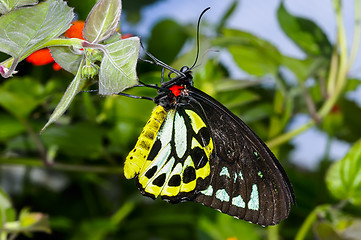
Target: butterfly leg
x: 134, y: 96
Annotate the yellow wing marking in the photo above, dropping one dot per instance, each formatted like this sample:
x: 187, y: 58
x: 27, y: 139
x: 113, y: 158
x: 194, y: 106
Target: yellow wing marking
x: 196, y: 121
x: 200, y: 173
x: 137, y: 157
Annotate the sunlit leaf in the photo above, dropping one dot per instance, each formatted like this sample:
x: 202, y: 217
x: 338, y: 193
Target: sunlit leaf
x: 8, y: 5
x: 4, y: 200
x: 226, y: 227
x: 305, y: 33
x: 66, y: 58
x: 34, y: 221
x: 252, y: 54
x: 25, y: 29
x: 118, y: 68
x: 7, y: 212
x: 103, y: 20
x: 344, y: 177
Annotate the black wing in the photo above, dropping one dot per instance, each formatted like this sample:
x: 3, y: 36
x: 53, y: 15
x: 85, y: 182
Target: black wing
x: 246, y: 179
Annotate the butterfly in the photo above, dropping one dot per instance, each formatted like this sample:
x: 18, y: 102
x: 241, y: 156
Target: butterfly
x: 194, y: 149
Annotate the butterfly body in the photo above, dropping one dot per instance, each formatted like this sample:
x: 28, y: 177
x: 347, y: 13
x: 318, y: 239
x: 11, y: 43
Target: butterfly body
x: 195, y: 149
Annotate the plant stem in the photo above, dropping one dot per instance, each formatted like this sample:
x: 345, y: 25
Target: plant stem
x: 337, y: 74
x: 356, y: 34
x: 307, y: 224
x: 61, y: 166
x: 3, y: 235
x: 35, y: 138
x: 288, y: 135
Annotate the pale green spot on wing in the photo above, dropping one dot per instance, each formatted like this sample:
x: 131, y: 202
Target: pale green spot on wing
x: 222, y: 195
x: 238, y: 201
x: 240, y: 175
x: 165, y: 132
x: 208, y: 191
x: 180, y: 135
x: 225, y: 172
x: 253, y: 203
x: 260, y: 174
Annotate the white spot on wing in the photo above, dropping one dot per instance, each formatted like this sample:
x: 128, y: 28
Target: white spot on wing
x: 253, y: 203
x: 165, y: 132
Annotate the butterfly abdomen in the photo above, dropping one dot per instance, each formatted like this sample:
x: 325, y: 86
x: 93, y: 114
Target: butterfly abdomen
x: 138, y: 156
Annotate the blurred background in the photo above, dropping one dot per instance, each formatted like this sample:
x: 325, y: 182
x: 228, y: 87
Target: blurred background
x: 269, y: 62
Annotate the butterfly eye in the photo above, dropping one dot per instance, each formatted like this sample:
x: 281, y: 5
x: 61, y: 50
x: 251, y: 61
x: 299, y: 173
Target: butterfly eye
x: 184, y: 69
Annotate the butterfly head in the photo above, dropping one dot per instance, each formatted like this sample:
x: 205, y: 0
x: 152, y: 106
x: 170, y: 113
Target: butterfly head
x: 175, y: 91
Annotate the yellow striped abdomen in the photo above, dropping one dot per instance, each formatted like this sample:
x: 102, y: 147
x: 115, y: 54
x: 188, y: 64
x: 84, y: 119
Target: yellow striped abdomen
x: 137, y: 157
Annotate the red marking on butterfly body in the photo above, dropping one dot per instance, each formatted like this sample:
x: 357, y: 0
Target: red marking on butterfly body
x: 176, y: 90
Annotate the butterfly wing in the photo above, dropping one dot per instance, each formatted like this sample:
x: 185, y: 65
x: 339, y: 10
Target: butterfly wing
x: 171, y: 157
x: 246, y: 179
x: 200, y: 151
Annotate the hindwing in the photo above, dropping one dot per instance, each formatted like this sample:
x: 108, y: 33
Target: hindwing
x: 246, y: 179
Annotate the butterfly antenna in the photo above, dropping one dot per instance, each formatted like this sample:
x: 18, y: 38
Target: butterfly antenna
x: 159, y: 63
x: 198, y: 24
x: 204, y: 55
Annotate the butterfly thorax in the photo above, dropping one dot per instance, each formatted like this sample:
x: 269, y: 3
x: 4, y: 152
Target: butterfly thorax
x: 175, y: 91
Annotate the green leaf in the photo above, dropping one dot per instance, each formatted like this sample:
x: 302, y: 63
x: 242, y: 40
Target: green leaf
x: 34, y: 221
x: 166, y: 40
x: 231, y: 9
x: 66, y: 58
x: 103, y: 20
x: 21, y: 96
x: 24, y: 30
x: 7, y: 212
x: 9, y: 126
x: 238, y: 98
x: 4, y: 200
x: 118, y: 68
x: 352, y: 84
x: 252, y: 54
x: 305, y: 33
x: 76, y: 140
x: 73, y: 89
x: 344, y: 177
x: 226, y: 227
x: 8, y: 5
x: 304, y: 68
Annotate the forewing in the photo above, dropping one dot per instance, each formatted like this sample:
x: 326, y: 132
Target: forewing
x: 177, y: 163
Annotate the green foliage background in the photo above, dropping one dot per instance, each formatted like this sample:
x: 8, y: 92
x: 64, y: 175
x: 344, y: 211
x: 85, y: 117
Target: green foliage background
x: 83, y: 190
